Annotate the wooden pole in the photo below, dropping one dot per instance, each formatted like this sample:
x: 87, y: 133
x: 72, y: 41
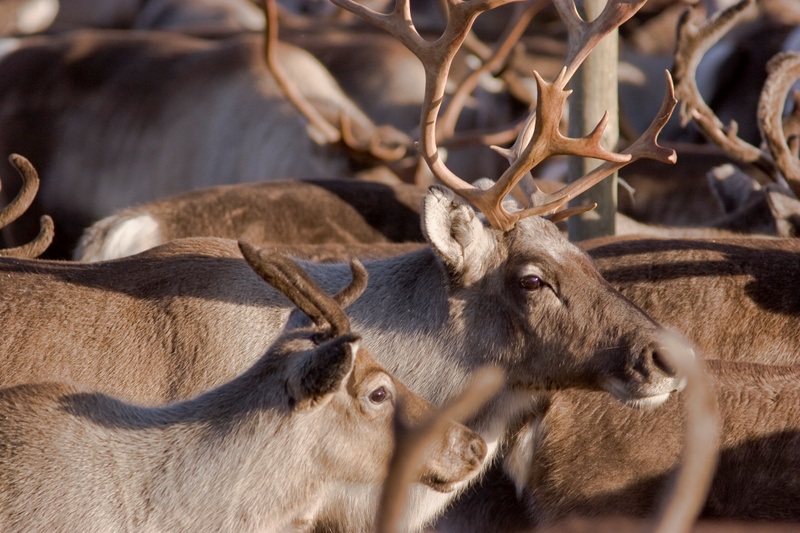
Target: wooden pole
x: 595, y: 86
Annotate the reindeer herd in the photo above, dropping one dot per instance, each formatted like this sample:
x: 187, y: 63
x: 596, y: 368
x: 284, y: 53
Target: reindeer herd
x: 230, y: 300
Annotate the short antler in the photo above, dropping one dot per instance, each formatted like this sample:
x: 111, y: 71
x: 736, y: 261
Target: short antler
x: 30, y: 186
x: 283, y: 273
x: 536, y: 143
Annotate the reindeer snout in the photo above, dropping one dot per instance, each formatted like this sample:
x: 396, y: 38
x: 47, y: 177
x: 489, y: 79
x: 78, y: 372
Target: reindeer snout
x: 456, y: 457
x: 653, y: 375
x: 471, y: 450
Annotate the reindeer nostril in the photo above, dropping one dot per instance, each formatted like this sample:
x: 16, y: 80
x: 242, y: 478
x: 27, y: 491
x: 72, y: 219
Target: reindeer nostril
x: 478, y: 448
x: 661, y: 362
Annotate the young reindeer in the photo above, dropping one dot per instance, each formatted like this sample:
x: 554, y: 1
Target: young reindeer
x: 502, y: 288
x: 315, y: 413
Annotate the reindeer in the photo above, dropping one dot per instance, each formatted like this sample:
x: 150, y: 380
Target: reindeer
x: 187, y: 140
x: 313, y: 414
x: 499, y: 286
x: 762, y: 202
x: 346, y: 212
x: 579, y: 454
x: 734, y: 299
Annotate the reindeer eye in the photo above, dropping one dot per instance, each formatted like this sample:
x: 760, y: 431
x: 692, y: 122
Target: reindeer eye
x: 379, y: 395
x: 531, y: 283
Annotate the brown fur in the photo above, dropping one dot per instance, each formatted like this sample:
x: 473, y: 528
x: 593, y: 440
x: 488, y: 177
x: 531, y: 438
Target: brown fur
x: 192, y: 314
x: 732, y: 298
x: 259, y: 453
x: 592, y: 458
x: 345, y: 212
x: 236, y: 126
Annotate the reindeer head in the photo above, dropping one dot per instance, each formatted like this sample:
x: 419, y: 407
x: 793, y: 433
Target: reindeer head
x: 365, y: 408
x: 532, y: 301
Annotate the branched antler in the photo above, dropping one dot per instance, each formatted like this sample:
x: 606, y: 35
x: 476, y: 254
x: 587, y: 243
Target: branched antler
x: 543, y: 139
x: 695, y: 38
x: 23, y: 200
x: 502, y: 48
x: 327, y: 133
x: 784, y: 70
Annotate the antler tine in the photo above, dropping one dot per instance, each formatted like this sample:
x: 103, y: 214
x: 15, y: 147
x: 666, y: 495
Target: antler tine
x: 584, y: 36
x: 694, y: 40
x: 784, y: 70
x: 357, y: 286
x: 505, y: 44
x: 283, y: 273
x: 38, y: 245
x: 646, y: 146
x: 24, y: 199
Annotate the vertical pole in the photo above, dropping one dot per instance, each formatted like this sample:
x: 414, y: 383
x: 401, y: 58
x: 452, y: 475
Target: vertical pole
x: 595, y: 86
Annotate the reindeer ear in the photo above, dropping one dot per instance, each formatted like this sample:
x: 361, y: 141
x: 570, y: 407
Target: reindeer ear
x: 455, y: 233
x: 323, y: 370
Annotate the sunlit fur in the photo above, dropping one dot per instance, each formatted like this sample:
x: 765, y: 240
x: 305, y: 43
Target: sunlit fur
x: 431, y: 317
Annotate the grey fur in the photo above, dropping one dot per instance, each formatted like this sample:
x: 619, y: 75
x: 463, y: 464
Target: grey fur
x: 191, y: 314
x: 256, y: 454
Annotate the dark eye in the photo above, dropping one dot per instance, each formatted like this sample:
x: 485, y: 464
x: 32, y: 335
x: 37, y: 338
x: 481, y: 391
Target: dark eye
x: 531, y: 283
x: 379, y: 395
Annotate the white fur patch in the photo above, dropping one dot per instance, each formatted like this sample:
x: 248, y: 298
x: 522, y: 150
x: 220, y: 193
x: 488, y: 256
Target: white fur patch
x: 36, y: 15
x: 129, y: 236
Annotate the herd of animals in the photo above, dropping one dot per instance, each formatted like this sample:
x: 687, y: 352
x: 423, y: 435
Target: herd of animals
x: 230, y: 300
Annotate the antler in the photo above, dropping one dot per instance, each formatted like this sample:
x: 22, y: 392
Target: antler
x: 283, y: 273
x: 543, y: 139
x: 695, y: 38
x: 409, y: 448
x: 689, y: 493
x: 784, y: 70
x: 505, y: 44
x: 327, y: 132
x: 23, y: 200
